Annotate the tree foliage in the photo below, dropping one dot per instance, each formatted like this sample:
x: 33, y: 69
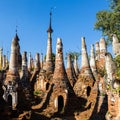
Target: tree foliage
x: 73, y: 54
x: 108, y: 21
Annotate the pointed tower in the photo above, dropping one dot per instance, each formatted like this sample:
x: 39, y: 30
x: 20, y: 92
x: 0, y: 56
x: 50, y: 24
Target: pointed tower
x: 4, y: 62
x: 85, y: 79
x: 49, y: 63
x: 62, y: 90
x: 97, y: 48
x: 1, y: 58
x: 19, y: 56
x: 92, y: 61
x: 41, y: 61
x: 115, y: 45
x: 85, y: 66
x: 35, y: 73
x: 24, y: 74
x: 70, y: 71
x: 24, y: 65
x: 37, y: 62
x: 59, y: 71
x: 12, y: 77
x: 103, y: 48
x: 59, y: 64
x: 14, y: 57
x: 24, y: 61
x: 29, y: 61
x: 110, y: 67
x: 76, y: 66
x: 7, y: 61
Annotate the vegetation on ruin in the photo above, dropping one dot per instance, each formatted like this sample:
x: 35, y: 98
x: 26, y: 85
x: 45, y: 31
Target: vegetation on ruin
x: 108, y: 21
x: 103, y: 94
x: 115, y: 90
x: 118, y: 90
x: 37, y: 92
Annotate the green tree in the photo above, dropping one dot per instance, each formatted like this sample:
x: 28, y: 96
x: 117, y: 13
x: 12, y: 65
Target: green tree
x: 108, y: 21
x: 73, y: 54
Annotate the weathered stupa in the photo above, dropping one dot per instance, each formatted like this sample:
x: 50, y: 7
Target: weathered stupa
x: 63, y: 95
x: 103, y: 48
x: 112, y: 85
x: 12, y: 77
x: 24, y: 71
x: 76, y: 65
x: 86, y: 79
x: 37, y: 62
x: 1, y: 58
x: 29, y: 62
x: 93, y: 62
x: 97, y: 51
x: 70, y: 71
x: 49, y: 66
x: 85, y: 65
x: 115, y: 45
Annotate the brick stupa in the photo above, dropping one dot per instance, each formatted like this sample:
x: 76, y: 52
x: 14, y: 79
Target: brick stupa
x: 49, y: 66
x: 70, y: 71
x: 86, y: 79
x: 62, y: 97
x: 12, y: 76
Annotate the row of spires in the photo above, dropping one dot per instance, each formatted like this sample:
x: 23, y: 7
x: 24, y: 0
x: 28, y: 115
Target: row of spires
x: 15, y: 62
x: 86, y: 67
x: 65, y: 81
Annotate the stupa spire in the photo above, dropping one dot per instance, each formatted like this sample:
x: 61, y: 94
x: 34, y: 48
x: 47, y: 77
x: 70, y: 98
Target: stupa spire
x: 85, y: 65
x: 85, y: 60
x: 92, y: 61
x: 49, y: 63
x: 59, y: 64
x: 70, y: 70
x: 50, y: 30
x: 76, y: 65
x: 37, y: 62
